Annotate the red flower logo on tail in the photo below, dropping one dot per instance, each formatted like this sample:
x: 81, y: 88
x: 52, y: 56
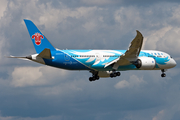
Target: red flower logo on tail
x: 37, y: 37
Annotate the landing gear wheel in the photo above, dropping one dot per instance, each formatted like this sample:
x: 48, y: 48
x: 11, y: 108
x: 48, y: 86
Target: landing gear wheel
x: 94, y: 78
x: 97, y: 77
x: 112, y: 75
x: 163, y: 75
x: 115, y: 74
x: 90, y: 79
x: 118, y: 74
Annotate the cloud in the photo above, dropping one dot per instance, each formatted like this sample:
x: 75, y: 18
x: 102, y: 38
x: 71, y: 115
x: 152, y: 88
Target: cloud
x: 122, y: 84
x: 3, y: 6
x: 171, y: 112
x: 33, y: 76
x: 133, y: 82
x: 25, y: 76
x: 159, y: 115
x: 51, y: 17
x: 28, y: 118
x: 164, y: 40
x: 128, y: 16
x: 120, y: 3
x: 1, y: 45
x: 34, y: 92
x: 98, y: 2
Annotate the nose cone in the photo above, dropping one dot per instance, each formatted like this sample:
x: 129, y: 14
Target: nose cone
x: 173, y: 63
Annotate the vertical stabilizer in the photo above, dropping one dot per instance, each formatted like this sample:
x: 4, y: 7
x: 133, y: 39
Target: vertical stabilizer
x: 40, y: 42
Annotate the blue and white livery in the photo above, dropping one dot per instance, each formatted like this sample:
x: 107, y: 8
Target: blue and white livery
x: 101, y: 63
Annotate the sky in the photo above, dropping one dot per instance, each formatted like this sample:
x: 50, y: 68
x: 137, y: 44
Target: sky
x: 31, y: 91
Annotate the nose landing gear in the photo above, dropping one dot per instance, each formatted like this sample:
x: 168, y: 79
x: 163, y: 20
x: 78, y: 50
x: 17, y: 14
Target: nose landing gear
x: 163, y: 74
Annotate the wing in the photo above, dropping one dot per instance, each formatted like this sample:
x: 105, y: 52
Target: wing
x: 131, y: 54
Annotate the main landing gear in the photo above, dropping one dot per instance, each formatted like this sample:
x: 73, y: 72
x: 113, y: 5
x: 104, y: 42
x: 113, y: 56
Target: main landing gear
x: 94, y: 76
x: 163, y: 74
x: 114, y: 74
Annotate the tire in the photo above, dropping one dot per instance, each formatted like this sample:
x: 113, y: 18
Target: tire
x: 94, y: 78
x: 90, y: 79
x: 97, y: 77
x: 111, y: 75
x: 118, y: 74
x: 163, y: 75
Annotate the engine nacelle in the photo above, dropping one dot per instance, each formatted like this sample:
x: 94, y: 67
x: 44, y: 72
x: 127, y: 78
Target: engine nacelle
x: 145, y: 63
x: 104, y: 73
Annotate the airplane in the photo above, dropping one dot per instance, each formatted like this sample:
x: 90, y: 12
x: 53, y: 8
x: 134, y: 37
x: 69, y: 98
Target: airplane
x: 101, y: 63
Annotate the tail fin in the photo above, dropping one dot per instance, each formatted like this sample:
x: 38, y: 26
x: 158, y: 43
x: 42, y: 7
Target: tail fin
x: 40, y: 42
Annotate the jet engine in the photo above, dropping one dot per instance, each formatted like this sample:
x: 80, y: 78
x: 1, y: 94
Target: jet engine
x: 145, y: 63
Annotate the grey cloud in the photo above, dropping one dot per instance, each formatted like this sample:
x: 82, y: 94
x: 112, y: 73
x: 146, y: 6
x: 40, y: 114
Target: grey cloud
x: 114, y: 3
x: 72, y: 103
x: 88, y: 25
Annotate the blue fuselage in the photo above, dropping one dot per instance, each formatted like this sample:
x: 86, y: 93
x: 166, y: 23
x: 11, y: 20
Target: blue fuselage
x: 97, y: 59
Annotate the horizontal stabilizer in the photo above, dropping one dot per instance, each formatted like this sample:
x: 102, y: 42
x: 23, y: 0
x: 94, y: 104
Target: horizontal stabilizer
x: 46, y: 53
x: 23, y: 58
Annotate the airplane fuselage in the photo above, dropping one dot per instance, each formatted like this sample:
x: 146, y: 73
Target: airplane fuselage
x: 97, y: 59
